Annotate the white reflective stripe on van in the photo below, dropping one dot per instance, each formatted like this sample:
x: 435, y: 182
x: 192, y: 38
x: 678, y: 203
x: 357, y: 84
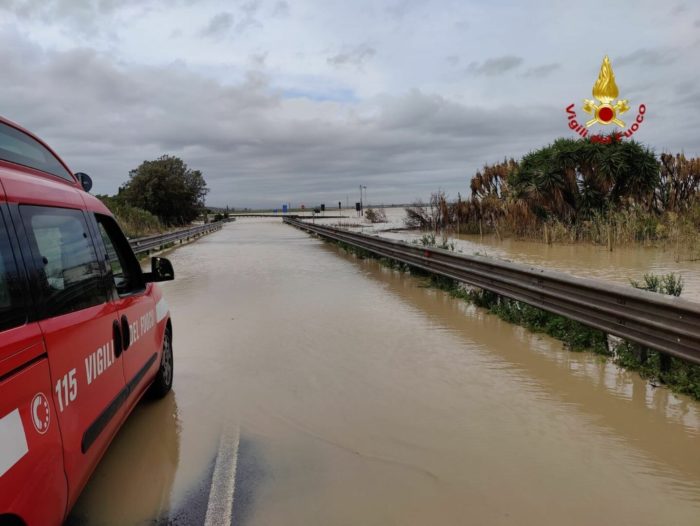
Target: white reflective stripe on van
x: 161, y: 309
x: 13, y: 441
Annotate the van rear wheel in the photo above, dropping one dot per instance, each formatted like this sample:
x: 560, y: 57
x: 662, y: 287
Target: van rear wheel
x: 164, y: 378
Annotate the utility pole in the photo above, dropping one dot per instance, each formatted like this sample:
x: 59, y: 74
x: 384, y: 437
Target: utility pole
x: 362, y: 208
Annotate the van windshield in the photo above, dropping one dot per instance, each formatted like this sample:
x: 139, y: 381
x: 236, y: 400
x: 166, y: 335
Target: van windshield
x: 20, y: 148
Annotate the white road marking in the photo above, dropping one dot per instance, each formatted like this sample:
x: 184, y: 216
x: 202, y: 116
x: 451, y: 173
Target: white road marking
x: 223, y: 481
x: 13, y: 441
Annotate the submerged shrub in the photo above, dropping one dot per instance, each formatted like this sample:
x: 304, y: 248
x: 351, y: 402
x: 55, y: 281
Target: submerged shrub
x: 679, y: 375
x: 376, y: 215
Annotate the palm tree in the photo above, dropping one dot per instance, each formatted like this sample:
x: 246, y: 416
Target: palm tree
x: 573, y: 179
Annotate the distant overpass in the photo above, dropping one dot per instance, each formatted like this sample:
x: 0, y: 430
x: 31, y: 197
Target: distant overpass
x: 293, y: 216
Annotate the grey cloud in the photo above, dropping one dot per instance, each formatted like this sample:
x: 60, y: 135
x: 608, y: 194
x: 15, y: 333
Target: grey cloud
x: 353, y: 57
x: 81, y: 15
x: 258, y: 59
x: 697, y: 23
x: 685, y: 86
x: 281, y: 9
x: 679, y: 9
x: 247, y: 23
x: 542, y: 71
x: 647, y: 57
x: 401, y: 8
x: 452, y: 60
x: 258, y: 148
x: 219, y: 25
x: 249, y: 10
x: 252, y: 145
x: 251, y: 7
x: 56, y: 8
x: 495, y: 66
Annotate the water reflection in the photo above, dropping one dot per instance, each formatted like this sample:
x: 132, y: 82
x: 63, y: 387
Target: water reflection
x: 133, y: 482
x: 666, y: 427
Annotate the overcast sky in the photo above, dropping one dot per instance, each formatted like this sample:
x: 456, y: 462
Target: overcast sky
x: 302, y: 101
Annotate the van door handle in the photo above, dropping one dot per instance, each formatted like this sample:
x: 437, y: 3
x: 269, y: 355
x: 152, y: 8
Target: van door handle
x: 117, y: 336
x: 126, y: 333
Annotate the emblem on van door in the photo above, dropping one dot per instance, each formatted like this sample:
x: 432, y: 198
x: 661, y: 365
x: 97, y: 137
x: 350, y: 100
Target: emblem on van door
x: 41, y: 416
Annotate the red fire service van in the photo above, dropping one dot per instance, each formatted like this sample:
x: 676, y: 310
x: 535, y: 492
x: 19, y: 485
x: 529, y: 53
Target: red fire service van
x: 84, y: 333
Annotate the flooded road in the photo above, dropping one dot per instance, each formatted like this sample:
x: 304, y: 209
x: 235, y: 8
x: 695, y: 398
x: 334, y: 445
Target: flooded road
x: 359, y: 396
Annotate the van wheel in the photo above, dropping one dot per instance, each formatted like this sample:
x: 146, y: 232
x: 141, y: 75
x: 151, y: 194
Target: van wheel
x: 164, y: 378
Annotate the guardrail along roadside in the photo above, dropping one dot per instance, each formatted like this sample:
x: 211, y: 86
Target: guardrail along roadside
x: 144, y: 245
x: 667, y: 324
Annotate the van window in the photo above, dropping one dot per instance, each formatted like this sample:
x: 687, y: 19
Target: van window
x: 126, y: 271
x: 5, y: 300
x: 69, y: 273
x: 12, y: 311
x: 20, y: 148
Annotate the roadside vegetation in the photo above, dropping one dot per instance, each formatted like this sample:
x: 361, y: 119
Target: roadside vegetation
x: 659, y: 369
x: 575, y: 190
x: 219, y: 216
x: 375, y: 215
x: 135, y: 222
x: 159, y: 195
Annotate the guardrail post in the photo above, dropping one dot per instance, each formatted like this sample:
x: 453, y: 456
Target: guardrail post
x: 642, y: 354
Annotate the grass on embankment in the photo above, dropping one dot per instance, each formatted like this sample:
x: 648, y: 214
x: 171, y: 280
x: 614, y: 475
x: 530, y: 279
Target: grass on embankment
x: 134, y: 222
x: 680, y: 376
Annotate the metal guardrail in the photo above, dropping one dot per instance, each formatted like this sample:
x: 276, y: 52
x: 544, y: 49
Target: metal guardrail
x: 668, y: 324
x: 145, y: 244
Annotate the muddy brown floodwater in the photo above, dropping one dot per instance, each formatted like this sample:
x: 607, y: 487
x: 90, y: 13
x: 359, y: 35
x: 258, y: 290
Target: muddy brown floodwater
x: 363, y: 397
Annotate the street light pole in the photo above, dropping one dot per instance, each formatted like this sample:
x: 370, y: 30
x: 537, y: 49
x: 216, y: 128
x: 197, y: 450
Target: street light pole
x: 362, y: 206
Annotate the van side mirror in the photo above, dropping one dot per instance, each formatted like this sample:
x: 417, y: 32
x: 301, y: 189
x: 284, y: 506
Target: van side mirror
x: 85, y: 180
x: 161, y: 270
